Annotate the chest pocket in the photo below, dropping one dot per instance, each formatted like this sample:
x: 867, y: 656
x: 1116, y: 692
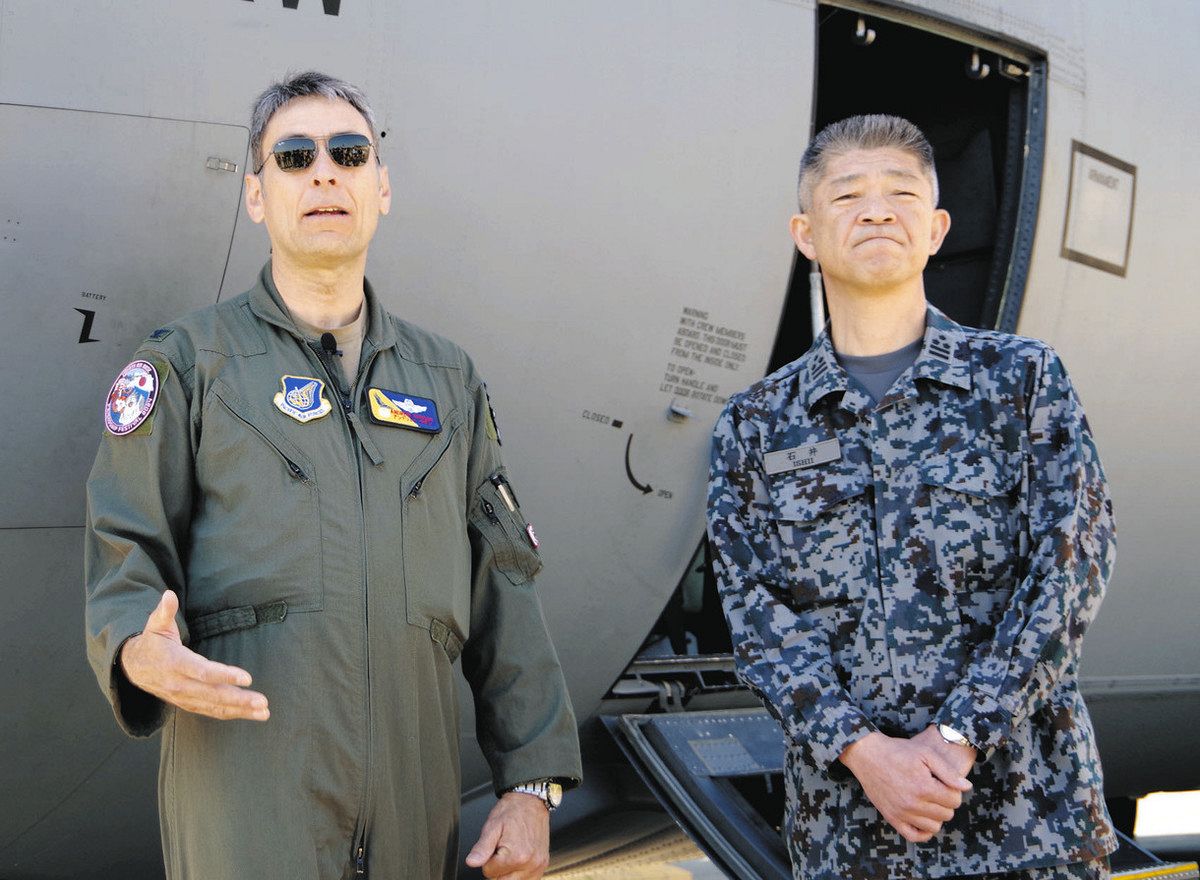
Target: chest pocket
x: 978, y: 529
x: 824, y: 526
x: 256, y: 532
x: 437, y: 551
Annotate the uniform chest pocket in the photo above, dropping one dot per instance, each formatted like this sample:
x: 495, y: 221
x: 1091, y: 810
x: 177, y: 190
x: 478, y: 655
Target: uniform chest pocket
x: 256, y: 531
x: 436, y: 549
x: 977, y: 526
x: 823, y: 518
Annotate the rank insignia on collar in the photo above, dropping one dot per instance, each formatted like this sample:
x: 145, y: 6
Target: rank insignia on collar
x: 131, y: 398
x: 302, y: 398
x: 403, y: 410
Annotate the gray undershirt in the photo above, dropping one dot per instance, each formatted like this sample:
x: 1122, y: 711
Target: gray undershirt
x: 349, y: 341
x: 876, y: 373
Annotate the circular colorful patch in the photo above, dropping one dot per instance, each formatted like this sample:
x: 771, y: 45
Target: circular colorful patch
x: 132, y: 398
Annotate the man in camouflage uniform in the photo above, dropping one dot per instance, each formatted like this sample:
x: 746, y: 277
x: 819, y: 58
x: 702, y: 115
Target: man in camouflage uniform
x: 912, y: 532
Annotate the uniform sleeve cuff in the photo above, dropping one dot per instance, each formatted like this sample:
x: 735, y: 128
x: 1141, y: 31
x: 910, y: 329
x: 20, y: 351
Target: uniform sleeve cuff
x: 568, y: 775
x: 552, y: 755
x: 977, y: 716
x: 138, y: 713
x: 826, y: 744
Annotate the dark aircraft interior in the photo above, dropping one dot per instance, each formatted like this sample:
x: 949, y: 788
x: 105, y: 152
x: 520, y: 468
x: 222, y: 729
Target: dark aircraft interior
x: 984, y: 111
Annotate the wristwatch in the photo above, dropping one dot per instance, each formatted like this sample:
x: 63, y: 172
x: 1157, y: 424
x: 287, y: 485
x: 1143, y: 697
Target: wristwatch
x: 952, y: 736
x: 547, y: 789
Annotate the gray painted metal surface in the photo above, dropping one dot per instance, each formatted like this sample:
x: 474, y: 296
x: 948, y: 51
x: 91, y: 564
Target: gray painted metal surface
x: 592, y: 199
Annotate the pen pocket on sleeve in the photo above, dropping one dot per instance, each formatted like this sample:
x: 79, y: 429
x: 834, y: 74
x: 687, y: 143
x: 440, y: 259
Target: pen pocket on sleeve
x: 496, y: 513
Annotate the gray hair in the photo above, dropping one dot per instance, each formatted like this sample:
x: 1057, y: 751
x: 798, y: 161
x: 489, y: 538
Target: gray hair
x: 303, y: 85
x: 871, y: 132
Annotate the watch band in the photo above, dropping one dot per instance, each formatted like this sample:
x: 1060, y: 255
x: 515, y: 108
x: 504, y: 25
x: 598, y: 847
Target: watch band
x: 548, y: 790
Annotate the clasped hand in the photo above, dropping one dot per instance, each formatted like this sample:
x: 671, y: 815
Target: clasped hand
x: 916, y: 784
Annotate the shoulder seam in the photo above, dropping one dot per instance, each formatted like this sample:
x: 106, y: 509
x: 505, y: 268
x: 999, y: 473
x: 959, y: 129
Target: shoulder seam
x: 405, y: 349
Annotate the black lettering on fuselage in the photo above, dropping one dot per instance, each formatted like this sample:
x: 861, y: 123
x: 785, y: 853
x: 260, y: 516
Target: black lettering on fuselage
x: 332, y: 7
x: 85, y: 335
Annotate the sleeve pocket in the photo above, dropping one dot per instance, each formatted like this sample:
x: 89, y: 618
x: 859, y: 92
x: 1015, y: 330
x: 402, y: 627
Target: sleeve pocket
x: 497, y: 516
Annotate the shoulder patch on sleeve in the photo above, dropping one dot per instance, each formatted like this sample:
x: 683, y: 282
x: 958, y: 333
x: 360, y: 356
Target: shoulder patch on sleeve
x: 130, y: 402
x: 161, y: 333
x: 493, y: 430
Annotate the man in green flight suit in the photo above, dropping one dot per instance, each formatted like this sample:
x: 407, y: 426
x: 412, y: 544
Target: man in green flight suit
x: 300, y: 492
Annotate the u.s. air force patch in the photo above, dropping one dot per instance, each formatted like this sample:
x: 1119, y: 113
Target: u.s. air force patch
x: 302, y: 398
x: 403, y: 410
x: 131, y: 398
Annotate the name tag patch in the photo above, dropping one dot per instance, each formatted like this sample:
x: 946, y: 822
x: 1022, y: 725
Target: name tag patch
x: 808, y: 455
x: 402, y: 410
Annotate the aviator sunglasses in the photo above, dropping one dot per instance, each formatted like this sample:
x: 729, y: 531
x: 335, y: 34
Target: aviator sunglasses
x: 297, y: 153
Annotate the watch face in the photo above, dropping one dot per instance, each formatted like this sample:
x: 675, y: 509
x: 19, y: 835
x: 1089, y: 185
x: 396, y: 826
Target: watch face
x: 950, y: 735
x: 554, y: 792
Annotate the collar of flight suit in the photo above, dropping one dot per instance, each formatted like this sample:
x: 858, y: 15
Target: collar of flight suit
x: 268, y: 305
x: 944, y: 358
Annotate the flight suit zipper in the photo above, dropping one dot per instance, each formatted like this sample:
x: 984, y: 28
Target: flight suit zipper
x: 416, y: 487
x: 294, y: 469
x: 360, y: 861
x: 360, y: 837
x: 332, y: 372
x: 360, y: 852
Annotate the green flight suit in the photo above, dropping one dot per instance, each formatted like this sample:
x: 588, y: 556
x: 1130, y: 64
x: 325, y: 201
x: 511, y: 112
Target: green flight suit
x: 345, y: 564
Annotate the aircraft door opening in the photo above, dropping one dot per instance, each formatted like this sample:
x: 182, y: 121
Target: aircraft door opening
x: 982, y: 106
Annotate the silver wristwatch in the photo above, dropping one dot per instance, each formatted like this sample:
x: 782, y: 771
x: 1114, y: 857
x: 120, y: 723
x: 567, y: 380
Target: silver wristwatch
x: 952, y: 736
x: 547, y: 789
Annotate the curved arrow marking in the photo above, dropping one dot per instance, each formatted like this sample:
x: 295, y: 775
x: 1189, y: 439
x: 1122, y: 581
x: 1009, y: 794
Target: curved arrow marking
x: 646, y: 489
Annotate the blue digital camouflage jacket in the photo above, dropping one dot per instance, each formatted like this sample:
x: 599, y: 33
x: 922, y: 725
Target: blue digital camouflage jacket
x: 933, y: 558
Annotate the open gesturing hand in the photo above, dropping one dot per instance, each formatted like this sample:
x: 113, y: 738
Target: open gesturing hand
x: 157, y: 661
